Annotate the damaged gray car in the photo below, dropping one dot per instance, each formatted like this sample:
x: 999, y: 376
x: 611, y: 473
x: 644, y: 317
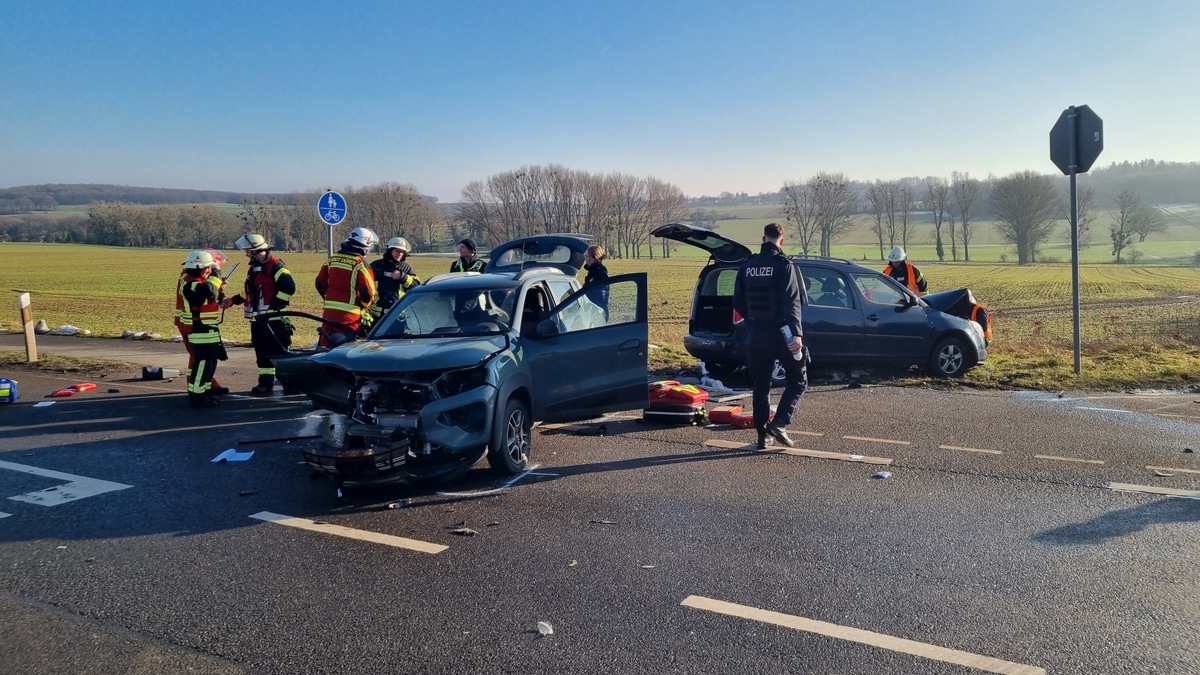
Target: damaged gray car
x: 463, y: 365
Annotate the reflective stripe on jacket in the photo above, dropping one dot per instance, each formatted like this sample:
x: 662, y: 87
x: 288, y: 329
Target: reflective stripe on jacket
x: 346, y: 284
x: 912, y: 278
x: 202, y: 299
x: 980, y: 312
x: 268, y: 287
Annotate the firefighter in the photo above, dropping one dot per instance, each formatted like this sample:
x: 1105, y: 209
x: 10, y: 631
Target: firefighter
x: 348, y: 287
x: 905, y: 272
x: 393, y: 275
x: 183, y: 320
x: 202, y: 292
x: 269, y: 288
x: 467, y: 261
x: 767, y: 292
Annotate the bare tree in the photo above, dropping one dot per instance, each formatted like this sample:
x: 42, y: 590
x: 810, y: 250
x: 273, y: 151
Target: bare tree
x: 937, y: 198
x: 1124, y: 222
x: 1085, y: 214
x: 835, y: 202
x: 1150, y: 220
x: 800, y: 209
x: 666, y: 203
x: 1026, y: 204
x: 881, y: 198
x: 966, y: 191
x: 905, y: 201
x: 309, y: 231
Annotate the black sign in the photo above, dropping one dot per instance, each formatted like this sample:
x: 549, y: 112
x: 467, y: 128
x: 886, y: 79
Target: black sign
x: 1087, y: 141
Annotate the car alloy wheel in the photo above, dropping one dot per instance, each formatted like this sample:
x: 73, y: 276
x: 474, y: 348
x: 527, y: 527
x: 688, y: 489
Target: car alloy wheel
x: 949, y: 358
x: 509, y: 451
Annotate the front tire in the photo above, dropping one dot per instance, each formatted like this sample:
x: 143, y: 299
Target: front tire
x: 508, y: 452
x: 949, y: 358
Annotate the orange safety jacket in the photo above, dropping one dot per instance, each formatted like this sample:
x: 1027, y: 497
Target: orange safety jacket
x: 910, y: 278
x: 348, y: 287
x: 183, y: 315
x: 981, y: 316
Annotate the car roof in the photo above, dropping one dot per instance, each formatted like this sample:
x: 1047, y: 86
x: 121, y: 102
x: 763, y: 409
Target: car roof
x: 456, y: 280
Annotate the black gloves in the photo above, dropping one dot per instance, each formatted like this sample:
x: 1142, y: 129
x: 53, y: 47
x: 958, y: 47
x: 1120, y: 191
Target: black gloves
x: 238, y: 300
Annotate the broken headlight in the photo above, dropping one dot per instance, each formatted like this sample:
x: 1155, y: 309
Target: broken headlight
x: 456, y: 382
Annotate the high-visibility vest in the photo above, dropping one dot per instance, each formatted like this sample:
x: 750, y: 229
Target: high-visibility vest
x: 911, y: 279
x: 208, y: 311
x: 476, y: 265
x: 183, y: 314
x: 346, y: 283
x: 267, y: 283
x: 986, y: 324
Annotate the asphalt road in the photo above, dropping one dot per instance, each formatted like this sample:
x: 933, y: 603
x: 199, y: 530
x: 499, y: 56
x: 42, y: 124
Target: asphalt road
x: 997, y: 544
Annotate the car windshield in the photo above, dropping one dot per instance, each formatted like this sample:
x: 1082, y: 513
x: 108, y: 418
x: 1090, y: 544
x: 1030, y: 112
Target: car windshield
x: 434, y: 312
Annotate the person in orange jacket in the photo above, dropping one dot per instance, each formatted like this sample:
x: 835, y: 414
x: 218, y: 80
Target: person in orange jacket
x: 348, y: 288
x: 905, y: 272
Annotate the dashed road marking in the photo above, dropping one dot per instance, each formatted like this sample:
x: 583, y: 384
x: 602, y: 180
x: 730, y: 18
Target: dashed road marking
x: 1170, y: 468
x: 4, y: 515
x: 876, y: 440
x: 866, y: 637
x: 1070, y: 459
x: 351, y: 533
x: 77, y: 487
x: 959, y: 447
x: 797, y: 452
x: 1151, y: 489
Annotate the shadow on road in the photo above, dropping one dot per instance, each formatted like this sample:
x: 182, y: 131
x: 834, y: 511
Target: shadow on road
x: 1124, y: 522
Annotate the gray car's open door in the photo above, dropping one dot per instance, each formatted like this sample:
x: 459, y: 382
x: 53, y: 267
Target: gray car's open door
x: 589, y: 354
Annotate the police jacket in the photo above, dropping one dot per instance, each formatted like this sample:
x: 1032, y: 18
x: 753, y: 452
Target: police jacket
x: 767, y: 291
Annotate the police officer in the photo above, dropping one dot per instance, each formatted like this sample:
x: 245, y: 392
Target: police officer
x: 767, y: 293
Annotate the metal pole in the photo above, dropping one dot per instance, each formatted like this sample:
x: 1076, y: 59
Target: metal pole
x: 1073, y: 120
x: 27, y: 319
x: 330, y: 241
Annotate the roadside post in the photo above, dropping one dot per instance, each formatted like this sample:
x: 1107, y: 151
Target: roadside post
x: 1075, y: 142
x: 27, y: 320
x: 332, y: 209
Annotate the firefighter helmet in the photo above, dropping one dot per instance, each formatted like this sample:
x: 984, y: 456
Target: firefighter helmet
x: 361, y: 236
x: 252, y: 243
x: 198, y: 260
x: 218, y: 257
x: 896, y: 254
x: 399, y: 243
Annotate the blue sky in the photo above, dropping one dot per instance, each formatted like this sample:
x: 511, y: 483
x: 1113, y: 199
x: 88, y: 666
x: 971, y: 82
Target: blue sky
x: 711, y: 96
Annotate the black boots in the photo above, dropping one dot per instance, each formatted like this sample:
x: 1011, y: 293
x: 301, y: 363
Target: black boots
x: 265, y: 386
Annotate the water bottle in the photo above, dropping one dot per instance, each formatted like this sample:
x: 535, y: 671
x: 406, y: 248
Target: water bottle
x: 787, y: 336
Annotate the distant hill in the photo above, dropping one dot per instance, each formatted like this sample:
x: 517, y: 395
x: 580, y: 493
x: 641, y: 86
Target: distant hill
x: 26, y: 198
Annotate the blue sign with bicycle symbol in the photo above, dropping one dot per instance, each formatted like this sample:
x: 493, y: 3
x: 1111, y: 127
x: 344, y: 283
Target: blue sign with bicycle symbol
x: 332, y: 208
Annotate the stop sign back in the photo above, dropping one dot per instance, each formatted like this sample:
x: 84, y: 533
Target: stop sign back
x: 1088, y: 139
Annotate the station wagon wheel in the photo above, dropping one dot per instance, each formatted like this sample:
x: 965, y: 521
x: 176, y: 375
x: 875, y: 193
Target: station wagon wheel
x: 508, y: 452
x: 949, y: 358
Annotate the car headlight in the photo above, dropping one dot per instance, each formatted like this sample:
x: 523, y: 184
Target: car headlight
x: 456, y: 382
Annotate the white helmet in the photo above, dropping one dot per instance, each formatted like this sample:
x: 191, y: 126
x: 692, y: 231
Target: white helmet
x: 363, y: 237
x: 198, y: 260
x: 252, y: 242
x: 896, y: 254
x: 399, y: 243
x: 218, y: 257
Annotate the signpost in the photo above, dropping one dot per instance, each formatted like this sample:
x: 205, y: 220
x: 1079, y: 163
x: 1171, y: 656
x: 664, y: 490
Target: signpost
x: 1075, y: 142
x: 332, y: 209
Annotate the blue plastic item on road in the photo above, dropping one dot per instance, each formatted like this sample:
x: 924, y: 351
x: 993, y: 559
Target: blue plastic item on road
x: 8, y: 390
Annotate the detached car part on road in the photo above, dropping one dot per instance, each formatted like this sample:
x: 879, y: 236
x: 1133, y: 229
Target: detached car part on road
x: 853, y: 315
x: 465, y: 363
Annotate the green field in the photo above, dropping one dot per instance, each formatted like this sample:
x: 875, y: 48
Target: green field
x: 1140, y: 325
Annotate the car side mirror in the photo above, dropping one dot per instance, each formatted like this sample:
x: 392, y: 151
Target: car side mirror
x: 547, y: 328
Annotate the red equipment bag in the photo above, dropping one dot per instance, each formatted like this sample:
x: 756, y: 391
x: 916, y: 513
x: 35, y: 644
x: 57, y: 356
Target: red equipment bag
x: 723, y: 414
x: 745, y: 419
x: 671, y: 391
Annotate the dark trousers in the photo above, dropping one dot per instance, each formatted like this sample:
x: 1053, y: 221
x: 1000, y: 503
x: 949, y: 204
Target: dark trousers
x: 765, y: 345
x: 270, y: 339
x: 205, y: 367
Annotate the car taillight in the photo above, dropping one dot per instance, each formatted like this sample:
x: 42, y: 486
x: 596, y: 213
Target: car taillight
x: 737, y: 318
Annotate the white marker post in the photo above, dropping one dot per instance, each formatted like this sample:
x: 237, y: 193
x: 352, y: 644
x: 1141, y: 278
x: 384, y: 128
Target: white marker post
x: 27, y: 320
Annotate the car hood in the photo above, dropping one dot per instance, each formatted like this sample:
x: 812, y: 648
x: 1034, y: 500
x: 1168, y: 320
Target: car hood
x: 954, y: 302
x: 405, y: 355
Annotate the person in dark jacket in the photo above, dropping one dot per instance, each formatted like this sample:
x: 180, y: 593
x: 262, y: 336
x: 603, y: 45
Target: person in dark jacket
x: 467, y: 260
x: 767, y: 293
x: 593, y: 262
x: 393, y: 275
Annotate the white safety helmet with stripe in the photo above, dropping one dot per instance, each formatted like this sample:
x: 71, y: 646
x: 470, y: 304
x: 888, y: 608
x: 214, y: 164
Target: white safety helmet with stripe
x: 252, y: 243
x: 896, y: 254
x: 361, y: 236
x: 399, y: 243
x: 198, y: 260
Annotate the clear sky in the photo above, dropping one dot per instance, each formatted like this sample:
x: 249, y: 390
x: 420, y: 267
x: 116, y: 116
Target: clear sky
x: 253, y: 96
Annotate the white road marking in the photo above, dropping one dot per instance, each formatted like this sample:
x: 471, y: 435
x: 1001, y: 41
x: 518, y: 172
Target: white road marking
x: 1111, y: 410
x: 4, y: 515
x: 1169, y: 468
x: 1070, y: 459
x: 351, y: 533
x: 959, y: 447
x: 797, y: 452
x: 77, y: 487
x: 875, y: 440
x: 1150, y: 489
x: 502, y: 488
x: 866, y: 637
